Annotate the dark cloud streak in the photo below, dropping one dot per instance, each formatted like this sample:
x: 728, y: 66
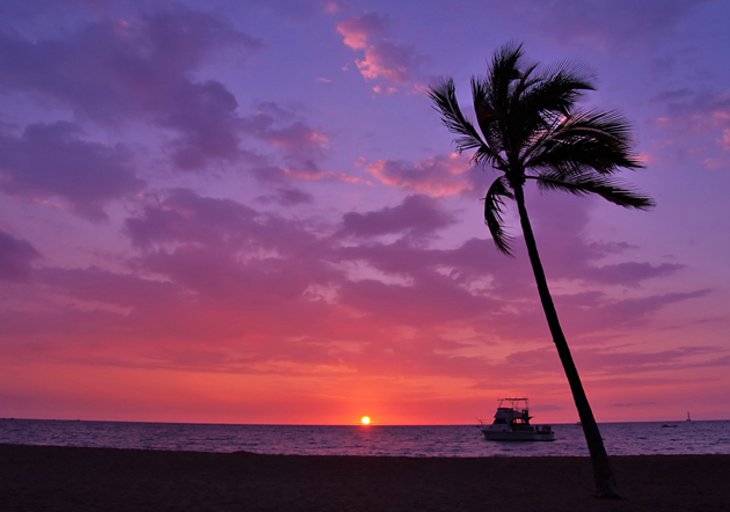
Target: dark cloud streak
x: 52, y: 160
x: 16, y: 258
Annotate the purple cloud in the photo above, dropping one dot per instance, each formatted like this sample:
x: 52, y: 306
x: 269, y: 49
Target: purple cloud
x: 207, y: 122
x: 432, y: 300
x: 297, y: 146
x: 562, y: 227
x: 706, y: 116
x: 636, y: 358
x: 52, y: 161
x: 110, y: 71
x: 16, y: 257
x: 97, y: 285
x: 416, y: 215
x: 184, y: 216
x: 631, y: 272
x: 477, y: 270
x: 627, y: 311
x: 284, y: 129
x: 288, y: 196
x: 222, y: 247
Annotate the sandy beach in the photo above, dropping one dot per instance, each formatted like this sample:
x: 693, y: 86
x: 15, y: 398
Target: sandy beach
x: 38, y: 478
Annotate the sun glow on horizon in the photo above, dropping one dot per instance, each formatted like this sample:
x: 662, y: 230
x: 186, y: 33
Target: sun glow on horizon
x: 365, y: 420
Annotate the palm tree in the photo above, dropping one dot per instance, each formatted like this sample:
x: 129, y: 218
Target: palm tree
x: 530, y: 130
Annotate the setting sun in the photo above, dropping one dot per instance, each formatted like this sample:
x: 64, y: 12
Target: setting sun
x: 365, y: 420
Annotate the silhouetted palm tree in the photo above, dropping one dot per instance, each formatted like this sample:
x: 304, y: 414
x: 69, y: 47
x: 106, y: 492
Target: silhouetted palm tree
x: 530, y: 130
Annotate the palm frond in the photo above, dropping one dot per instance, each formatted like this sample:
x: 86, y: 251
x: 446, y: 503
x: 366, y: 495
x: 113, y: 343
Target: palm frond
x: 608, y: 125
x: 596, y: 140
x: 557, y: 89
x: 494, y: 211
x: 504, y: 69
x: 487, y: 116
x: 443, y: 95
x: 504, y: 73
x: 593, y: 183
x: 490, y: 124
x: 526, y: 81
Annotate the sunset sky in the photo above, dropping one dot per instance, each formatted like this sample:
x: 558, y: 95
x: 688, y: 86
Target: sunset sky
x: 249, y: 212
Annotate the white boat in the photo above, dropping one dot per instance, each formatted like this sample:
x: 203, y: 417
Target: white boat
x: 512, y: 423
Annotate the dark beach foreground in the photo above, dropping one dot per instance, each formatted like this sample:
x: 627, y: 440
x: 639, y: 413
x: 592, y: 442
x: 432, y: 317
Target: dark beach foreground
x: 40, y: 478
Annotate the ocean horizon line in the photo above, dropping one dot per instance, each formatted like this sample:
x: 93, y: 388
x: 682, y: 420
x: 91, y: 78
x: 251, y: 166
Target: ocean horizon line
x: 354, y: 424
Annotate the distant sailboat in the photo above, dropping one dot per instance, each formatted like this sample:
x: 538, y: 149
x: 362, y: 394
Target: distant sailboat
x: 688, y: 417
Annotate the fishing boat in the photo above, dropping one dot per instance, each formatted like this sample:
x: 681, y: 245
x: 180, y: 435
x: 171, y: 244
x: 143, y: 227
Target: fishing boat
x: 512, y: 423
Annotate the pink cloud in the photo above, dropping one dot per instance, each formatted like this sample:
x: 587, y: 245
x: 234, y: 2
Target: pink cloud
x: 389, y: 62
x: 297, y: 167
x: 437, y: 176
x: 350, y: 178
x: 385, y: 61
x: 358, y: 31
x: 380, y: 89
x: 333, y: 7
x: 298, y: 136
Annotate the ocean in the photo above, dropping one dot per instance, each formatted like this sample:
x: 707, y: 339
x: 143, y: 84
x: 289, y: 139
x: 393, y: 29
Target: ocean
x: 696, y: 437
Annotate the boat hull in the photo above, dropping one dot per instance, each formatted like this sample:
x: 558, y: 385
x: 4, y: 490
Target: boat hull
x: 491, y: 435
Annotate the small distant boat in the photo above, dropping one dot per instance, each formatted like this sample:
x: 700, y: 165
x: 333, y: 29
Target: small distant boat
x: 688, y: 418
x: 512, y: 423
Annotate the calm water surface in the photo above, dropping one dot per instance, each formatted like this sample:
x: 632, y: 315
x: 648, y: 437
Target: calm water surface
x: 696, y: 437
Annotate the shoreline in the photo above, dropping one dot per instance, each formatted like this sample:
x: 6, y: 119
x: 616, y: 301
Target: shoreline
x: 51, y: 478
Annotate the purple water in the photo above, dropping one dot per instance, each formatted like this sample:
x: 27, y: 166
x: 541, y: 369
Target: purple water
x: 696, y: 437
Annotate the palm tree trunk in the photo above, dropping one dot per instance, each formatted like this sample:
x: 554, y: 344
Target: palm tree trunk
x: 605, y: 481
